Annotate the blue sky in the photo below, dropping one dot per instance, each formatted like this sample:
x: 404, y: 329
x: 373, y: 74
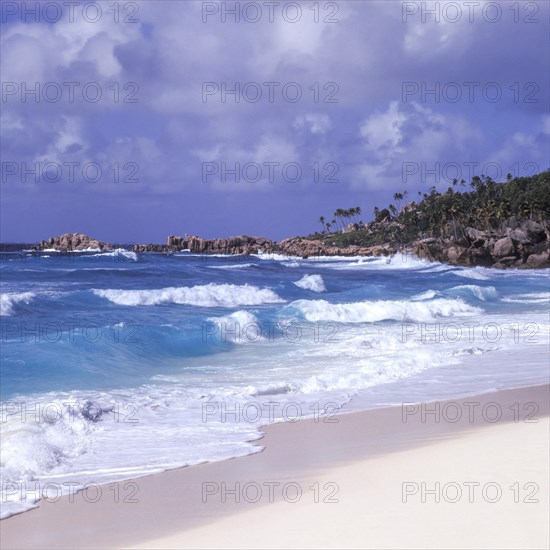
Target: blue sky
x: 146, y: 159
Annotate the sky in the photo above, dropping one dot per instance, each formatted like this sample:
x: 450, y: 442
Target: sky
x: 131, y: 121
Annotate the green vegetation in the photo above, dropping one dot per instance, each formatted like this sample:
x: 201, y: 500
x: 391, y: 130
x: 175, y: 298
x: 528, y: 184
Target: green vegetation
x: 484, y: 206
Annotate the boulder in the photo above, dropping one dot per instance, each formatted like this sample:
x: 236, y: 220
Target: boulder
x: 479, y: 256
x: 476, y: 237
x: 519, y: 263
x: 457, y: 254
x: 536, y: 232
x: 503, y: 247
x: 538, y: 248
x: 507, y: 225
x: 508, y: 259
x: 520, y: 235
x: 538, y: 260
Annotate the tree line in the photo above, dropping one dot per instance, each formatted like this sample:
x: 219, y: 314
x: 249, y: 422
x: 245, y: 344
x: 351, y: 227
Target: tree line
x: 482, y: 204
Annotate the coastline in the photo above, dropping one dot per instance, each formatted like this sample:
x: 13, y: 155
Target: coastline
x: 365, y: 457
x: 512, y: 243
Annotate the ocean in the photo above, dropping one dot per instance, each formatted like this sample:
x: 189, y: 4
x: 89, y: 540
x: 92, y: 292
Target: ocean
x: 117, y: 365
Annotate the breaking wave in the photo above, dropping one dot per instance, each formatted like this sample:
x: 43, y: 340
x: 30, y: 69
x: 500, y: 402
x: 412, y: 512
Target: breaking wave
x: 210, y: 295
x: 382, y: 310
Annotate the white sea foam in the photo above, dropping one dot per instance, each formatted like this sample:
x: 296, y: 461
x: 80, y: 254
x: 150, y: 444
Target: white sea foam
x: 396, y: 262
x: 9, y: 299
x: 477, y: 273
x: 84, y: 250
x: 529, y: 298
x: 272, y: 256
x: 238, y: 327
x: 232, y: 266
x: 311, y: 282
x: 382, y: 310
x: 35, y: 443
x: 210, y: 295
x: 207, y: 255
x: 58, y: 443
x: 119, y: 252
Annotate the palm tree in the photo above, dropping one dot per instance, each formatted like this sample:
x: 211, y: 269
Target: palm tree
x: 346, y: 214
x: 340, y: 214
x: 322, y: 222
x: 337, y: 213
x: 398, y: 197
x: 453, y: 210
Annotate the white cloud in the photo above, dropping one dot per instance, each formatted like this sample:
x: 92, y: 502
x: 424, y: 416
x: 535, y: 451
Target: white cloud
x: 449, y: 35
x: 383, y: 132
x: 410, y: 133
x: 316, y: 123
x: 66, y: 136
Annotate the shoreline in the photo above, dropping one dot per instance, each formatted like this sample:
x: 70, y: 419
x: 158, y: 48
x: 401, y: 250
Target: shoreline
x: 170, y: 512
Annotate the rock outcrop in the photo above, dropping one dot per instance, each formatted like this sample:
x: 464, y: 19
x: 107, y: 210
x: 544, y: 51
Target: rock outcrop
x: 306, y: 248
x: 232, y: 245
x: 294, y: 246
x: 73, y: 241
x: 514, y: 244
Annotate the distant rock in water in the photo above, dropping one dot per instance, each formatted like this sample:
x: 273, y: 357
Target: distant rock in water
x: 74, y: 241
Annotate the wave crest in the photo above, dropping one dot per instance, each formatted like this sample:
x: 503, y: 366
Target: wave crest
x: 9, y: 299
x: 210, y: 295
x: 119, y: 253
x: 382, y: 310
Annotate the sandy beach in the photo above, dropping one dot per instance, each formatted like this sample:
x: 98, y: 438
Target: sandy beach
x: 473, y: 473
